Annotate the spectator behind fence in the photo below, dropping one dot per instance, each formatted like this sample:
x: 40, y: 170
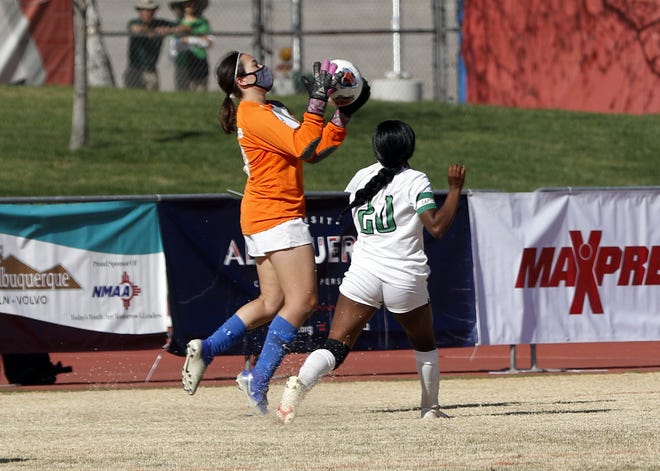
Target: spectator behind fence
x: 146, y: 35
x: 188, y: 51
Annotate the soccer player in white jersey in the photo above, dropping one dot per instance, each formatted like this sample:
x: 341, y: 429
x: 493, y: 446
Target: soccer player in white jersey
x: 391, y: 205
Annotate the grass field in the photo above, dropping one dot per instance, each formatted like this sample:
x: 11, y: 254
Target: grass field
x: 170, y: 143
x: 535, y: 422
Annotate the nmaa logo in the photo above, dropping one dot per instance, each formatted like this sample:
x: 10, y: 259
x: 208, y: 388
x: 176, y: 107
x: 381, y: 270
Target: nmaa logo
x: 585, y: 265
x: 125, y: 290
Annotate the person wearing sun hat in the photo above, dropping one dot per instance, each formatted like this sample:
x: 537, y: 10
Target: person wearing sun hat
x: 146, y: 34
x: 146, y: 5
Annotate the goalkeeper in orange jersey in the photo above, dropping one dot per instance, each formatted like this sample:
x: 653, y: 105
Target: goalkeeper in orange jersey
x: 274, y: 145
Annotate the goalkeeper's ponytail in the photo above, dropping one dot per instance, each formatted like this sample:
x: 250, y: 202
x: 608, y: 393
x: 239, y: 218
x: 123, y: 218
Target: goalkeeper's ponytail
x: 227, y: 115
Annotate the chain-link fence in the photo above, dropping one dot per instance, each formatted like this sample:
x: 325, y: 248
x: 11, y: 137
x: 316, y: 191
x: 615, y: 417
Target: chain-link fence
x: 404, y: 41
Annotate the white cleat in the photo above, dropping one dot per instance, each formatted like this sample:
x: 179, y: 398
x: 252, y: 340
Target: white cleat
x: 434, y: 413
x: 194, y: 367
x: 294, y: 393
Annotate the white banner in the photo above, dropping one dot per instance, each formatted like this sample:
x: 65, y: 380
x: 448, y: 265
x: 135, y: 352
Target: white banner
x: 553, y: 267
x: 92, y: 266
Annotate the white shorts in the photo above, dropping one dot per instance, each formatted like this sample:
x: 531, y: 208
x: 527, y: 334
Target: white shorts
x: 287, y: 235
x: 362, y: 286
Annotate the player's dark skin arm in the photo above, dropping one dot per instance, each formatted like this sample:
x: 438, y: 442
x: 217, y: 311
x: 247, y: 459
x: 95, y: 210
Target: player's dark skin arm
x: 438, y: 221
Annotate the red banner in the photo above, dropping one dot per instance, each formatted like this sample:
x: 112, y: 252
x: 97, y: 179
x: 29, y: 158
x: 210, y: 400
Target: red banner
x: 592, y: 55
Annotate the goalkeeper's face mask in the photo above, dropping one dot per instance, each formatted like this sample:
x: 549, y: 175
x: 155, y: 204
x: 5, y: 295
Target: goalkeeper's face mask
x: 264, y: 78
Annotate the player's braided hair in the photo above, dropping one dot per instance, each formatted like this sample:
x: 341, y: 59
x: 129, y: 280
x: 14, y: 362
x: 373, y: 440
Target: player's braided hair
x: 393, y: 143
x: 225, y: 74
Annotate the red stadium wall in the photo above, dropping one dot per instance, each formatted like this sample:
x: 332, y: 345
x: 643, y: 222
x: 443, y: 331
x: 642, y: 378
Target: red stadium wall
x: 587, y: 55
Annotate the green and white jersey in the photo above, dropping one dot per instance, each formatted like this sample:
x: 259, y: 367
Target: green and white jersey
x: 390, y: 240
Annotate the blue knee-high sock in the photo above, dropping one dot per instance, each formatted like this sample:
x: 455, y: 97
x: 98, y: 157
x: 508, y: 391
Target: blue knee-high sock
x: 227, y: 335
x: 280, y: 333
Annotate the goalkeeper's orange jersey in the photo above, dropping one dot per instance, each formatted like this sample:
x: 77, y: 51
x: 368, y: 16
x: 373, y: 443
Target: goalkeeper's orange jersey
x: 274, y: 144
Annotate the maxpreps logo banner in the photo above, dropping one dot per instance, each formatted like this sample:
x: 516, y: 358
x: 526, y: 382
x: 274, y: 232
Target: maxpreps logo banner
x: 90, y: 266
x: 558, y: 267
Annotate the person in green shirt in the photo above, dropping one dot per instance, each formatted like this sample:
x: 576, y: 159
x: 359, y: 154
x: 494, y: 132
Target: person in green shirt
x: 188, y: 51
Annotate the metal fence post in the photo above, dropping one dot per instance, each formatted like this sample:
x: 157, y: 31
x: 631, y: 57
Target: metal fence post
x: 439, y: 50
x: 257, y: 28
x: 512, y: 359
x: 297, y: 43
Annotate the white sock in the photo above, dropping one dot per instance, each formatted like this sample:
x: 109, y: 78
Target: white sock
x: 318, y: 364
x: 428, y: 370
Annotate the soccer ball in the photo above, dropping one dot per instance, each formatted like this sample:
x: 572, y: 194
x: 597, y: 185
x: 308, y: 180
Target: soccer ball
x: 350, y: 86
